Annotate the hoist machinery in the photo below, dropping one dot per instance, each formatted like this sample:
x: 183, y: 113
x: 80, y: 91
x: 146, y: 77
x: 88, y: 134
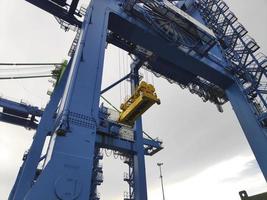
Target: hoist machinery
x: 196, y: 44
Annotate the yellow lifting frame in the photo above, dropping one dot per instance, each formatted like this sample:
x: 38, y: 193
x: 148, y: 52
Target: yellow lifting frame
x: 143, y: 98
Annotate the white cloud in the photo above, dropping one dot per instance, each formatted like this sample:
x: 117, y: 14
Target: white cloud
x: 211, y: 184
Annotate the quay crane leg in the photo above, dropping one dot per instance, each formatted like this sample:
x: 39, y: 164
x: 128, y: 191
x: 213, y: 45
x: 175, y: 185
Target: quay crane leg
x: 140, y: 187
x: 248, y: 67
x: 69, y: 163
x: 28, y: 169
x: 254, y: 132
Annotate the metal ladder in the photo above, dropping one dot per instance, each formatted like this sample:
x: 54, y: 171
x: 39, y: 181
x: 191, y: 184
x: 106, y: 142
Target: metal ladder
x: 97, y: 177
x: 128, y: 177
x: 245, y: 62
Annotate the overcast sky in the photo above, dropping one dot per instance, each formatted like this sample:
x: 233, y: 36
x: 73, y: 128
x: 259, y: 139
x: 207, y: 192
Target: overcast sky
x: 206, y: 155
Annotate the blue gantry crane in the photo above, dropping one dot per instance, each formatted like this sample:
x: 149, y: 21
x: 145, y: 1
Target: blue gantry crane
x: 197, y: 44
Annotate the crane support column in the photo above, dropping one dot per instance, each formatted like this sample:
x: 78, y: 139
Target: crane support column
x: 255, y: 133
x: 68, y: 167
x: 140, y: 189
x: 28, y: 169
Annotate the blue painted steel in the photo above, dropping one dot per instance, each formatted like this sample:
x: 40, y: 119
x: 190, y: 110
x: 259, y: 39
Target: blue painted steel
x: 97, y: 177
x: 256, y: 135
x: 114, y: 84
x: 27, y: 123
x: 19, y: 109
x: 148, y: 39
x: 19, y: 114
x: 68, y: 170
x: 57, y: 11
x: 76, y: 131
x: 163, y: 68
x: 107, y: 135
x: 139, y: 170
x: 28, y: 170
x: 248, y: 67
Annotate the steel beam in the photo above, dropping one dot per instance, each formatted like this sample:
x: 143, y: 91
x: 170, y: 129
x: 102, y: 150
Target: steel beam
x: 254, y: 132
x: 57, y: 11
x: 114, y: 84
x: 68, y: 167
x: 116, y: 144
x: 139, y: 170
x: 104, y: 138
x: 19, y: 114
x: 19, y: 109
x: 27, y: 123
x: 148, y: 39
x: 28, y: 170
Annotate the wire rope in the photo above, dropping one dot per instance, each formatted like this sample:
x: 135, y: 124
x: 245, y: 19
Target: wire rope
x: 25, y: 77
x: 152, y: 77
x: 127, y: 71
x: 119, y: 52
x: 27, y: 68
x: 124, y: 73
x: 146, y: 76
x: 28, y: 64
x: 109, y: 103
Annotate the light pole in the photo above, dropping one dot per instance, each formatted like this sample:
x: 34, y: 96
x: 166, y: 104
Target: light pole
x: 161, y: 178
